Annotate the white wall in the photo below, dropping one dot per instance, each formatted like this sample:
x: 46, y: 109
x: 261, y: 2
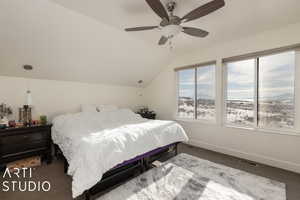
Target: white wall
x: 52, y: 98
x: 273, y: 149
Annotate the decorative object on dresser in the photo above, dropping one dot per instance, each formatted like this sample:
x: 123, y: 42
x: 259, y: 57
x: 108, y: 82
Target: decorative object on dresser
x: 25, y: 115
x: 43, y: 119
x: 5, y: 111
x: 146, y: 113
x: 24, y: 142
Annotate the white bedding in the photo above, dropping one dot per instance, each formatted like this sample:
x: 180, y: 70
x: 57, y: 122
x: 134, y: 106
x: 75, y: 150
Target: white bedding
x: 93, y: 143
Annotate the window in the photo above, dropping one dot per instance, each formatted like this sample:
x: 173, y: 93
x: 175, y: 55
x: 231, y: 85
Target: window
x: 260, y: 91
x: 196, y: 92
x: 206, y: 92
x: 240, y: 92
x: 276, y: 91
x: 186, y: 96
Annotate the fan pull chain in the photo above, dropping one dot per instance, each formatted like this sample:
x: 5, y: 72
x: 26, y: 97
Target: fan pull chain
x: 171, y: 43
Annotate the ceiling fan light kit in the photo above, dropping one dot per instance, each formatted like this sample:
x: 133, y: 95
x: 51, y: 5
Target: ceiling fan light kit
x: 170, y: 25
x: 171, y: 30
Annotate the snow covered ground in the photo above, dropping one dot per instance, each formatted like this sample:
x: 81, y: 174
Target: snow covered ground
x: 272, y: 114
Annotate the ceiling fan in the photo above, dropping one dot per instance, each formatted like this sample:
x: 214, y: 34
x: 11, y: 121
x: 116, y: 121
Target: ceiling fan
x: 171, y: 24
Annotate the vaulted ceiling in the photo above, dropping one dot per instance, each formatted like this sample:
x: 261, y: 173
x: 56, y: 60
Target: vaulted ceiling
x: 84, y: 40
x: 239, y: 18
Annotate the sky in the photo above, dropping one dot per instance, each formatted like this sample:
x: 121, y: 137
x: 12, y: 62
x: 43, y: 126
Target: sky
x: 205, y: 86
x: 241, y: 80
x: 276, y: 78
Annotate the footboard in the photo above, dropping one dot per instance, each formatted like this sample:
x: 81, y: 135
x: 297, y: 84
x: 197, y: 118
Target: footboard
x: 123, y: 172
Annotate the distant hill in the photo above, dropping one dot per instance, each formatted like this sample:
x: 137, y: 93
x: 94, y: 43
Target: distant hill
x: 288, y: 97
x: 204, y: 96
x: 282, y: 97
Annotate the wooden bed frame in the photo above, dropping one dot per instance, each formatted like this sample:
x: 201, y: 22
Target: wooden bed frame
x: 121, y: 173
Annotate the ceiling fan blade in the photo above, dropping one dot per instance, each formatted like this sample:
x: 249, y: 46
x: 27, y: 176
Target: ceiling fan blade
x: 142, y: 28
x: 158, y: 8
x: 203, y: 10
x: 163, y: 40
x: 195, y: 32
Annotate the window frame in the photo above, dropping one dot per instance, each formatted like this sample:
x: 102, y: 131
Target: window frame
x: 256, y: 127
x: 195, y: 67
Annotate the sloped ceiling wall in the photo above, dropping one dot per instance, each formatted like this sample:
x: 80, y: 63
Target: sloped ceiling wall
x: 64, y: 45
x: 237, y: 20
x: 84, y: 40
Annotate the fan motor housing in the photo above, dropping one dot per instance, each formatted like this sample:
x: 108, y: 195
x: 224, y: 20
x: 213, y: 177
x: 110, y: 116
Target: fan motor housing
x: 175, y: 20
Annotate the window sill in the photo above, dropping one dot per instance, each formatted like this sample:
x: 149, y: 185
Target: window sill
x: 266, y: 131
x: 200, y: 121
x: 261, y: 130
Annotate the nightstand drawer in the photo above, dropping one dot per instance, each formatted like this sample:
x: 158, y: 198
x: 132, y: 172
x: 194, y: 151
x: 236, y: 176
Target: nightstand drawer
x: 24, y: 138
x: 17, y: 149
x: 12, y: 144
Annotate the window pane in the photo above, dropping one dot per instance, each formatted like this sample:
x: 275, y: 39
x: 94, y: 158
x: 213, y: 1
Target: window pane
x: 240, y: 92
x: 276, y: 90
x: 206, y: 92
x: 186, y: 93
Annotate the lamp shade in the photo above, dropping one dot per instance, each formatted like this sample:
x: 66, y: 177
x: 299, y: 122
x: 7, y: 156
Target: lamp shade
x: 28, y: 98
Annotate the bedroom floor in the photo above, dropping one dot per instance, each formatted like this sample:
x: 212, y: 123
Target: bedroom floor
x: 61, y: 184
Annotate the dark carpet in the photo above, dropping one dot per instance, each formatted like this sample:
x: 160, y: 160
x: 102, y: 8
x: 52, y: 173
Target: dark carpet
x: 61, y: 183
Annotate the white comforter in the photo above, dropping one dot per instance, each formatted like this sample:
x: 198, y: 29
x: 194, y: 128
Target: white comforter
x: 95, y: 142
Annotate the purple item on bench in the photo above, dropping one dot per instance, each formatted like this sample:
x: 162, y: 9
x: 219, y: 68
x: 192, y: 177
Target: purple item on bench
x: 150, y: 153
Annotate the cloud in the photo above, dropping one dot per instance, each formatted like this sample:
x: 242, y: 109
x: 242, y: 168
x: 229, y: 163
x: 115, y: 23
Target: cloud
x: 205, y: 82
x: 276, y: 77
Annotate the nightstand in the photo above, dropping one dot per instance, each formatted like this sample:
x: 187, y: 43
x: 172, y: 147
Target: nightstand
x: 19, y: 143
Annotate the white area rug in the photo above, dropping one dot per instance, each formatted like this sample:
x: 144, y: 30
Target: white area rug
x: 185, y: 177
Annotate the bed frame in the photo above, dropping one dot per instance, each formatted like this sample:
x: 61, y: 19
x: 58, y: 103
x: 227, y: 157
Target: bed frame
x: 126, y: 170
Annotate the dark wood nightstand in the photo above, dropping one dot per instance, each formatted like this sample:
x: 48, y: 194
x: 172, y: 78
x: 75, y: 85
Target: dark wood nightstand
x: 19, y: 143
x: 147, y: 115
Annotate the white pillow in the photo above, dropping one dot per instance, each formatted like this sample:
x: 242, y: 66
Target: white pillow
x: 100, y: 108
x: 105, y: 108
x: 89, y: 108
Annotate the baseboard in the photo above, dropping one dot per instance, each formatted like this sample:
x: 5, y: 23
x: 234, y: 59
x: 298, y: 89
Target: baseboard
x: 294, y: 167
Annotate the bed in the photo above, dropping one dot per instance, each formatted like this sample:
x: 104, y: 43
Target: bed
x: 101, y: 148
